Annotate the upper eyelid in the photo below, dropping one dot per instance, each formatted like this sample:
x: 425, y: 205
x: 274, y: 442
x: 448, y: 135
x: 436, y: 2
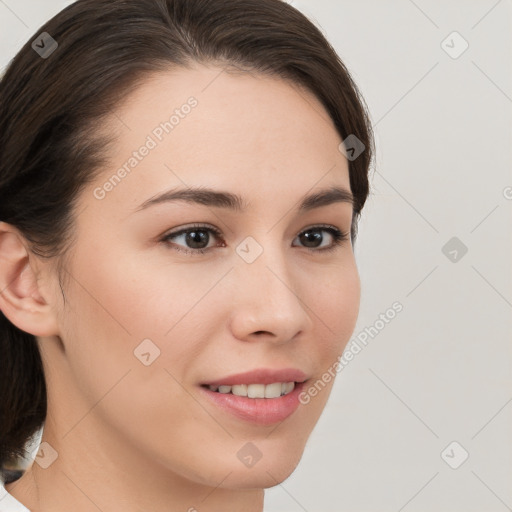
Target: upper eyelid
x: 194, y: 226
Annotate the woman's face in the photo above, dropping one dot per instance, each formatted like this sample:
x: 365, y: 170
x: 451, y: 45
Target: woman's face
x: 150, y: 319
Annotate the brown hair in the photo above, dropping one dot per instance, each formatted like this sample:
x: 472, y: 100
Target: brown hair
x: 50, y: 110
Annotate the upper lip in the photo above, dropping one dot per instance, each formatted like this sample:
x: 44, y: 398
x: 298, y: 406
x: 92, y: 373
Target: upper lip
x: 261, y: 376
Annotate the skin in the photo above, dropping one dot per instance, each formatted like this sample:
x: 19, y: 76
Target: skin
x: 142, y: 437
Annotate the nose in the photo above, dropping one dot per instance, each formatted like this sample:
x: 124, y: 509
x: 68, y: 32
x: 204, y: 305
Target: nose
x: 268, y: 301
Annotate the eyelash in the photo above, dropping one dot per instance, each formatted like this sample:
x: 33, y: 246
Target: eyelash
x: 338, y: 236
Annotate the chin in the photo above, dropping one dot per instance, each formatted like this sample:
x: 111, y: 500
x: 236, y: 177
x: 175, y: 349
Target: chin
x: 269, y: 471
x: 262, y: 478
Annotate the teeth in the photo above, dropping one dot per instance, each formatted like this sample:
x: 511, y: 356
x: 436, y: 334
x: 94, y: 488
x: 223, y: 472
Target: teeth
x: 274, y: 390
x: 287, y: 387
x: 239, y: 389
x: 256, y: 391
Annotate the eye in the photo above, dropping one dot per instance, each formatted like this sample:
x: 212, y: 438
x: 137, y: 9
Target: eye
x: 197, y: 237
x: 312, y: 238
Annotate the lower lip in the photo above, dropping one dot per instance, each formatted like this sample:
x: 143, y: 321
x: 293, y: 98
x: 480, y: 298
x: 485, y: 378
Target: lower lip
x: 261, y: 411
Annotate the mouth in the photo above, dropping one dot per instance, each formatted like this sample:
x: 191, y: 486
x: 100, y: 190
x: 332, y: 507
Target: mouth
x: 262, y: 396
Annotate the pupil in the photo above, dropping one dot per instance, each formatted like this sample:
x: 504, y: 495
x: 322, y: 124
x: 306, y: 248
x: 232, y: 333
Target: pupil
x: 194, y: 237
x: 311, y: 236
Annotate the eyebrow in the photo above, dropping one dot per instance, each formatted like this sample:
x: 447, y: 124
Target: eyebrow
x: 222, y: 199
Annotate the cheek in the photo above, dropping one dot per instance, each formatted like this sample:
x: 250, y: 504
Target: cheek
x: 124, y: 312
x: 111, y: 310
x: 336, y: 308
x: 107, y: 315
x: 132, y: 298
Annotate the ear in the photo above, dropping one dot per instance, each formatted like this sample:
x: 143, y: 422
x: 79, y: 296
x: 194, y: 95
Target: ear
x: 22, y: 299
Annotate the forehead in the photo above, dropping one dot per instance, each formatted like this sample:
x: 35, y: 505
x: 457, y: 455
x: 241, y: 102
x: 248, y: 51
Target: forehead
x: 247, y: 132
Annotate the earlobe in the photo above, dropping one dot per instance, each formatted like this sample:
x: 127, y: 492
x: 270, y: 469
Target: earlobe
x: 21, y: 300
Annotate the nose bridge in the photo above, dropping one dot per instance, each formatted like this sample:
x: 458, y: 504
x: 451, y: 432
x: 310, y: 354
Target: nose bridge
x: 266, y: 291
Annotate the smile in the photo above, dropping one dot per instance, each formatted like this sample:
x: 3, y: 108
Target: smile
x: 274, y: 390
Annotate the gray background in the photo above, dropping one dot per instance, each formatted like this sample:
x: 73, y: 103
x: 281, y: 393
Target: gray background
x: 440, y: 371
